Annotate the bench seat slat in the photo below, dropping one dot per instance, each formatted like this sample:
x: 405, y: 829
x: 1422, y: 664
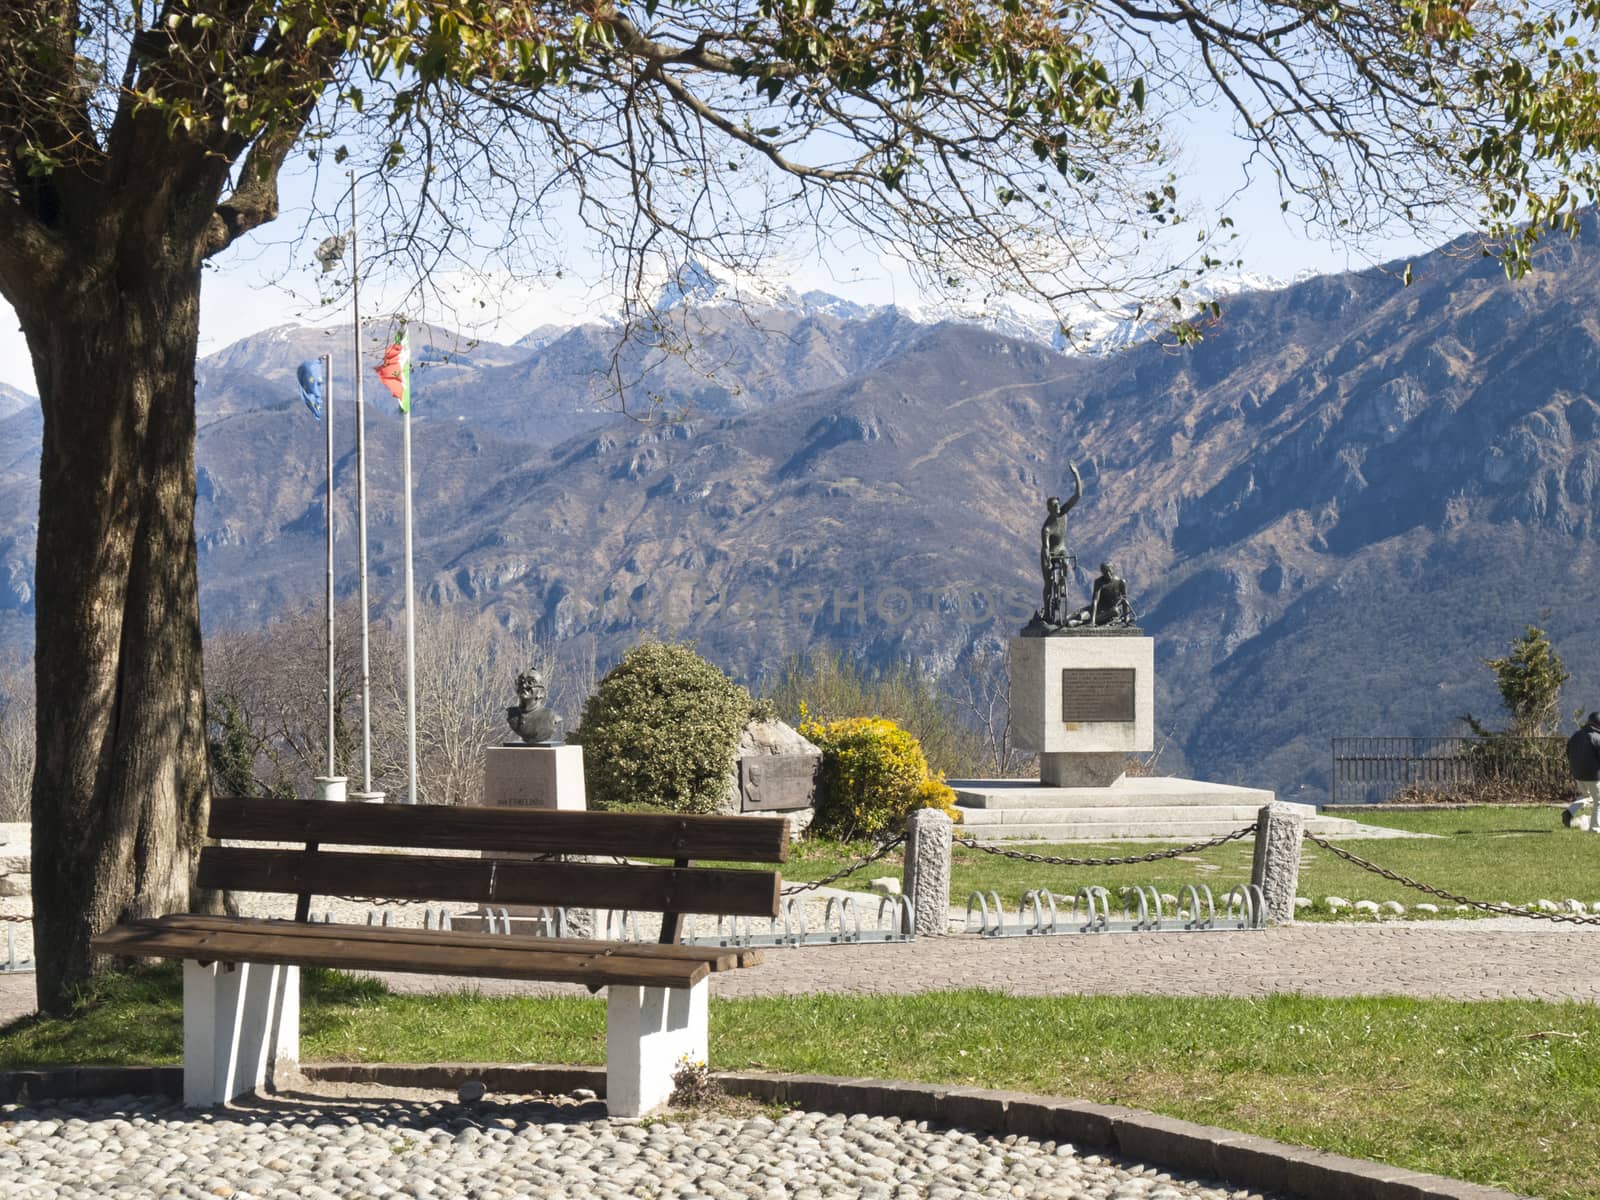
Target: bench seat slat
x: 147, y: 940
x: 718, y: 958
x: 504, y: 830
x: 491, y: 881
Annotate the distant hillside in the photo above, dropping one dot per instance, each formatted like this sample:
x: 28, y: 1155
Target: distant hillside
x: 13, y: 401
x: 1328, y: 513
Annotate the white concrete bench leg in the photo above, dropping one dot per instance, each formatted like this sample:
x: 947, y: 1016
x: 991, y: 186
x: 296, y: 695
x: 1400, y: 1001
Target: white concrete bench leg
x: 241, y: 1022
x: 648, y: 1031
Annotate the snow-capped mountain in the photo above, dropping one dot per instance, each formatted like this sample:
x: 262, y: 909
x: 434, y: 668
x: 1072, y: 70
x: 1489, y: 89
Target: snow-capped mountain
x: 1089, y: 327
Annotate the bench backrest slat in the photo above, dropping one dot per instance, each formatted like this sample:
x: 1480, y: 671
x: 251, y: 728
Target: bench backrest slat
x: 488, y: 880
x: 491, y: 881
x: 501, y: 830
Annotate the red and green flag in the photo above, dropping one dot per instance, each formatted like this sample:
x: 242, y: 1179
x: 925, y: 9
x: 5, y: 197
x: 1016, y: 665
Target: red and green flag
x: 395, y: 370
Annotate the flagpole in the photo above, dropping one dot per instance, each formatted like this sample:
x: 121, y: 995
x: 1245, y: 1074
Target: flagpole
x: 318, y: 395
x: 411, y: 628
x: 366, y: 792
x: 327, y: 417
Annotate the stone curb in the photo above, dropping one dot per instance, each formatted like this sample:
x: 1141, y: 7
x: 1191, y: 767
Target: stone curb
x: 1203, y: 1151
x: 70, y: 1083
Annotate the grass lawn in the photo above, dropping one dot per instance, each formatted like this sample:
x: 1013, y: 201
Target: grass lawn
x: 1493, y: 854
x: 1499, y: 1092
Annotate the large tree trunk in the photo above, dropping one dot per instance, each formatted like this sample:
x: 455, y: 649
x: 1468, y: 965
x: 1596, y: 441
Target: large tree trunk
x: 121, y: 794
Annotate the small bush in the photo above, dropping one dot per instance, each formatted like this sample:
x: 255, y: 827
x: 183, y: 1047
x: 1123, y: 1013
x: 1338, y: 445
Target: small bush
x: 661, y: 729
x: 829, y: 685
x: 1533, y: 793
x: 693, y: 1085
x: 873, y: 776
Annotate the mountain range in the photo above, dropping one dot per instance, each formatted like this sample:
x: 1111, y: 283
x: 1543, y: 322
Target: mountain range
x: 1329, y: 512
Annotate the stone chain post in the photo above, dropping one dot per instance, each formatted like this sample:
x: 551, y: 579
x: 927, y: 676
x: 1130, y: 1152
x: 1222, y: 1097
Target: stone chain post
x: 929, y: 836
x: 1276, y: 869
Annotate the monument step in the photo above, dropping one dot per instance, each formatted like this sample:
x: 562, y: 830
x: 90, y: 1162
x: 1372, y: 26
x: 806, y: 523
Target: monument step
x: 1239, y: 814
x: 1132, y: 830
x: 1131, y: 791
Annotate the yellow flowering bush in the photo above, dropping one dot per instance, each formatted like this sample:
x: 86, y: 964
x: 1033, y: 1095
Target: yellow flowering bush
x: 873, y: 776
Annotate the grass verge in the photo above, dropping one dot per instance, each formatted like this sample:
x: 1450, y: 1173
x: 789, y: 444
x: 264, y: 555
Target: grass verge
x: 1493, y: 854
x: 1498, y: 1092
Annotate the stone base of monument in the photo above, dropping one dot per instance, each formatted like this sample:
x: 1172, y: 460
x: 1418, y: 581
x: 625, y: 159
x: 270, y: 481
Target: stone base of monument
x: 534, y: 777
x: 1085, y: 701
x: 1081, y: 770
x: 518, y: 776
x: 1135, y: 806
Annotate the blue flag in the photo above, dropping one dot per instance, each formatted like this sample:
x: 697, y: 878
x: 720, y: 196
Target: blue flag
x: 310, y: 377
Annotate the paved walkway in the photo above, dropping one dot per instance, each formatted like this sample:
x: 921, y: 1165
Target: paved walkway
x: 1465, y: 960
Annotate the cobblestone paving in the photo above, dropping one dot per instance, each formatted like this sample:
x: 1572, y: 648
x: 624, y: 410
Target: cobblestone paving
x: 421, y: 1149
x: 519, y: 1147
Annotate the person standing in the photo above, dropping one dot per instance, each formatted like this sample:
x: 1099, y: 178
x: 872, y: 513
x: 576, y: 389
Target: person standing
x: 1583, y: 757
x: 1054, y: 558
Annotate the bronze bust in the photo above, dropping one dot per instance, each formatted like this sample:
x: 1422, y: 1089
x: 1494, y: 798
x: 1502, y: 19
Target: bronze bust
x: 535, y: 724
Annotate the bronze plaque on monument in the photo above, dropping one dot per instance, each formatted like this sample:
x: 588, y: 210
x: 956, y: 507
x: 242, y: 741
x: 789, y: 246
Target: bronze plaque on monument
x: 1097, y: 694
x: 776, y: 782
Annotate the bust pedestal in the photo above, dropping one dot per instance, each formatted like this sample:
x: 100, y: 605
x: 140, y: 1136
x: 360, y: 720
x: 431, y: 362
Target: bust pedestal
x: 518, y: 776
x: 534, y: 777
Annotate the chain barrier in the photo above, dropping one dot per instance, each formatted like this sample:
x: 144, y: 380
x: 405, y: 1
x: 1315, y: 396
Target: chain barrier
x: 1509, y: 910
x: 849, y: 870
x: 1153, y: 856
x: 20, y: 919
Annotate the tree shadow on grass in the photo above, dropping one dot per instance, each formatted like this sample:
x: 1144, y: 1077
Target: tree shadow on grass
x: 135, y: 1018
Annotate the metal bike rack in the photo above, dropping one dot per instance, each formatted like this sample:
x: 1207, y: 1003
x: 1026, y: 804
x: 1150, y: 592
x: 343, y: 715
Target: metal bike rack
x: 1142, y: 911
x: 627, y: 925
x: 841, y: 920
x: 12, y: 964
x: 1041, y: 913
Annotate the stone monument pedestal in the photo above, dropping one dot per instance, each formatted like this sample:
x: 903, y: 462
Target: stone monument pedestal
x: 1084, y: 702
x: 534, y: 777
x: 518, y: 776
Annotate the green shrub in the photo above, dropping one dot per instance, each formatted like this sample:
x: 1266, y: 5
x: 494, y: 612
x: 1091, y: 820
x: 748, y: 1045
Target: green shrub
x: 1529, y: 678
x: 661, y: 729
x: 873, y: 776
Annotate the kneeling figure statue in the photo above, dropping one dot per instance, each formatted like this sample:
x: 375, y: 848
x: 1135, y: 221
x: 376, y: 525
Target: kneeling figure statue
x: 1109, y: 604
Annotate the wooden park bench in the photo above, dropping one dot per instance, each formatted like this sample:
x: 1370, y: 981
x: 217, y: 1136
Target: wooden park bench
x: 241, y: 986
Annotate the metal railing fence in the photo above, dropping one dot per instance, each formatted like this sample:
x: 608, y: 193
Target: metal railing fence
x: 1375, y: 770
